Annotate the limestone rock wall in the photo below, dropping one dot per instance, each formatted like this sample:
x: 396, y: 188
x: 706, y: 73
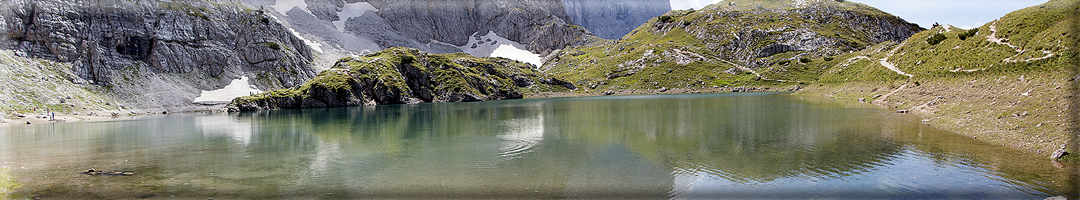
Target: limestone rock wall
x: 612, y: 19
x: 140, y: 47
x: 542, y: 25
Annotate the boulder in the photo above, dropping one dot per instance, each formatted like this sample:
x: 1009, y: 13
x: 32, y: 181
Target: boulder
x: 1059, y: 153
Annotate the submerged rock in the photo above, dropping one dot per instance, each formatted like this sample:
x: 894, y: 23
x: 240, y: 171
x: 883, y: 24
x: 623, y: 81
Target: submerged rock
x: 1059, y: 153
x: 94, y: 172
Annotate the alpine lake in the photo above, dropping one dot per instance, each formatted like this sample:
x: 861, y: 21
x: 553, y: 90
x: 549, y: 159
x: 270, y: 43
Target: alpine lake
x: 694, y: 146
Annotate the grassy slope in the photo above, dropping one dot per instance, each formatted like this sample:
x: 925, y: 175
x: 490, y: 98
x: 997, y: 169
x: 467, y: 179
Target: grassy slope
x: 644, y: 62
x: 34, y: 85
x: 655, y: 54
x: 1017, y: 97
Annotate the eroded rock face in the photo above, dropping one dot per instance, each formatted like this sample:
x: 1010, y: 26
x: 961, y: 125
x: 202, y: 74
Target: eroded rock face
x: 612, y: 19
x: 407, y: 76
x: 442, y: 26
x: 139, y: 48
x: 541, y: 25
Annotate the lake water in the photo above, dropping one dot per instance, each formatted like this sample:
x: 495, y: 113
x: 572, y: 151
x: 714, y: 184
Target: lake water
x: 761, y: 145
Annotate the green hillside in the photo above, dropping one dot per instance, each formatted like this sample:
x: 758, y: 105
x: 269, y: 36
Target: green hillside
x: 736, y: 43
x: 1009, y: 82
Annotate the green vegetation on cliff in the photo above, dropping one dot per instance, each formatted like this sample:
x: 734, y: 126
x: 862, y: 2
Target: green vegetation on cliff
x: 404, y: 75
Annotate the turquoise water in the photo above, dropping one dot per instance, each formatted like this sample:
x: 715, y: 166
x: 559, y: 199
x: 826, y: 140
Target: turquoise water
x: 764, y: 145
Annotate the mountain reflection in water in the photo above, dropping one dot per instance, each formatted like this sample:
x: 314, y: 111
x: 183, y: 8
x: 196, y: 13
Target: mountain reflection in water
x: 666, y: 146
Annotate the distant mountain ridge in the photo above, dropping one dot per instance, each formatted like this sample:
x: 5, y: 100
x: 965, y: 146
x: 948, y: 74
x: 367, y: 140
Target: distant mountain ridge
x: 613, y: 19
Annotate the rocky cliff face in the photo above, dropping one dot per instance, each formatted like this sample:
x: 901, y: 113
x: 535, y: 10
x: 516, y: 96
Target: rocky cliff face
x: 404, y: 76
x: 447, y: 26
x: 157, y: 54
x: 612, y: 19
x: 541, y: 25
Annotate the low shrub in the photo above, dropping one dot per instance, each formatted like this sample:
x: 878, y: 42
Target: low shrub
x: 273, y: 45
x: 937, y: 38
x: 969, y: 33
x: 666, y: 19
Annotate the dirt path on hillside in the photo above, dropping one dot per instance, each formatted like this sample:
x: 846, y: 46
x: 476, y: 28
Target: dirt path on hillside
x: 1019, y: 51
x: 885, y: 62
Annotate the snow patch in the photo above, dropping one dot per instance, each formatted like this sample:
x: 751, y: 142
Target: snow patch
x: 493, y: 45
x: 311, y: 44
x: 238, y: 88
x: 352, y: 10
x: 283, y: 6
x: 511, y: 52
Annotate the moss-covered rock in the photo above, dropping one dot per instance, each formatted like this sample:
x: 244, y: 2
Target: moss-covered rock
x: 406, y: 76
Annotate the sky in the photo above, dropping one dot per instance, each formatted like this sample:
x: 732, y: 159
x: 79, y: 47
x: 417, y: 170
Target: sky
x: 961, y: 13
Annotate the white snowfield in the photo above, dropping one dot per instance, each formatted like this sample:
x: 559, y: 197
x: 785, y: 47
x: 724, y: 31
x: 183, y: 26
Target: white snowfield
x: 238, y: 88
x: 499, y: 47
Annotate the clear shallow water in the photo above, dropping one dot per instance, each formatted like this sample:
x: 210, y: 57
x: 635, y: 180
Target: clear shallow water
x: 652, y: 147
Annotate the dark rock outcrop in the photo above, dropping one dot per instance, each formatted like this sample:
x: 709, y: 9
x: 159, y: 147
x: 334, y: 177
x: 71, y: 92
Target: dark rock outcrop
x: 406, y: 76
x: 612, y: 19
x: 141, y: 48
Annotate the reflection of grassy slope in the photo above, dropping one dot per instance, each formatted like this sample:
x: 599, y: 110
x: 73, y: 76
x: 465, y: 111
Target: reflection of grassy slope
x: 664, y: 52
x: 1014, y: 97
x: 752, y: 142
x: 952, y: 149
